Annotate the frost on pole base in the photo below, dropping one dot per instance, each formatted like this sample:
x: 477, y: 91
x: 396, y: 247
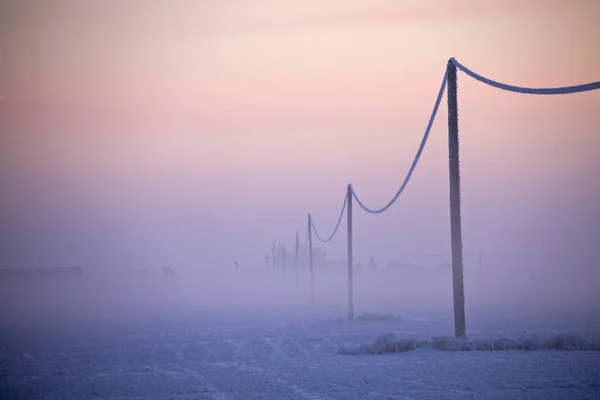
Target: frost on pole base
x: 455, y: 222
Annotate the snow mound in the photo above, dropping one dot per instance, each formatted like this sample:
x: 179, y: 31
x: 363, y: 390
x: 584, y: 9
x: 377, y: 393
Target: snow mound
x: 388, y: 343
x: 377, y: 317
x: 372, y: 317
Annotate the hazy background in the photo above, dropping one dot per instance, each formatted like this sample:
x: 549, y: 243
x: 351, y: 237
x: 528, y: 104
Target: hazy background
x: 135, y: 134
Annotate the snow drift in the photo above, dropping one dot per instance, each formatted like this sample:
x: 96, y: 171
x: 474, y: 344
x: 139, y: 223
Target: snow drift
x: 388, y: 343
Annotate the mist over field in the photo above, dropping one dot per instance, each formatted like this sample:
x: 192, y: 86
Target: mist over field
x: 160, y: 163
x: 129, y: 294
x: 239, y: 333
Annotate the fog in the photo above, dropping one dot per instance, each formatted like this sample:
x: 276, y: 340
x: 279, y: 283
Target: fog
x: 202, y: 154
x: 117, y: 205
x: 123, y: 297
x: 159, y: 160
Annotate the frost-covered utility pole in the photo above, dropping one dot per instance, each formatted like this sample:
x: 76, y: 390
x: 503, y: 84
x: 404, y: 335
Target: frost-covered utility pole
x: 274, y: 257
x: 283, y: 258
x: 278, y: 257
x: 455, y: 222
x: 296, y: 259
x: 310, y: 253
x: 350, y: 260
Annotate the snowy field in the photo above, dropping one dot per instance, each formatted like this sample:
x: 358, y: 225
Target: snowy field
x: 257, y: 337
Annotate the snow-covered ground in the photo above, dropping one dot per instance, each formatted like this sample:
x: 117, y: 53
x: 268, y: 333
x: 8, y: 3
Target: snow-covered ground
x: 159, y: 344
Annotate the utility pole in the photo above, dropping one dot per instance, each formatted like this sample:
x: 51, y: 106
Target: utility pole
x: 455, y: 218
x: 278, y: 258
x: 350, y: 261
x: 310, y: 253
x: 297, y: 259
x: 273, y: 258
x: 284, y: 259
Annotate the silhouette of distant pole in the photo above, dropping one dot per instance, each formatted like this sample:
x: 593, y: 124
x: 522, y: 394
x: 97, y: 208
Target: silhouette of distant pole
x: 350, y: 261
x: 283, y: 259
x: 310, y: 253
x: 278, y: 257
x: 297, y: 259
x: 455, y: 219
x: 274, y: 258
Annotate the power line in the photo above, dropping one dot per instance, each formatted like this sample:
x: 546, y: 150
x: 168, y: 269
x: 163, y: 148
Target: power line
x: 337, y: 225
x: 415, y: 161
x: 499, y: 85
x: 517, y: 89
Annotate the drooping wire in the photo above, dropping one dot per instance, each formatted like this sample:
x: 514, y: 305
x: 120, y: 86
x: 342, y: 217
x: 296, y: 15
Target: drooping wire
x: 336, y: 225
x: 499, y: 85
x: 517, y: 89
x: 415, y: 161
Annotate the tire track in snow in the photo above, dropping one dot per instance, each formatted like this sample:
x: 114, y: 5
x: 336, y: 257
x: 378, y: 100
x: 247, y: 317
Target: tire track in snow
x: 297, y: 390
x: 209, y: 388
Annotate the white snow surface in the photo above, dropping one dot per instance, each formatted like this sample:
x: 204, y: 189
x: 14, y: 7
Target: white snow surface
x: 173, y: 348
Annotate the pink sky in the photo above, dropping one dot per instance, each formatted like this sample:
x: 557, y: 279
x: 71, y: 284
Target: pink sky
x: 168, y: 105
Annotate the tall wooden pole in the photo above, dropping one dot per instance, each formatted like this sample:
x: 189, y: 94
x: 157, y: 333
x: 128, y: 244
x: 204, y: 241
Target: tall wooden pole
x: 278, y: 257
x: 350, y: 261
x: 297, y: 259
x: 273, y: 258
x: 312, y: 270
x: 283, y: 259
x: 455, y: 219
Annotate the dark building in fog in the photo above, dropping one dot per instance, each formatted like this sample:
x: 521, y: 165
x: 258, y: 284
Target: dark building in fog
x: 40, y: 275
